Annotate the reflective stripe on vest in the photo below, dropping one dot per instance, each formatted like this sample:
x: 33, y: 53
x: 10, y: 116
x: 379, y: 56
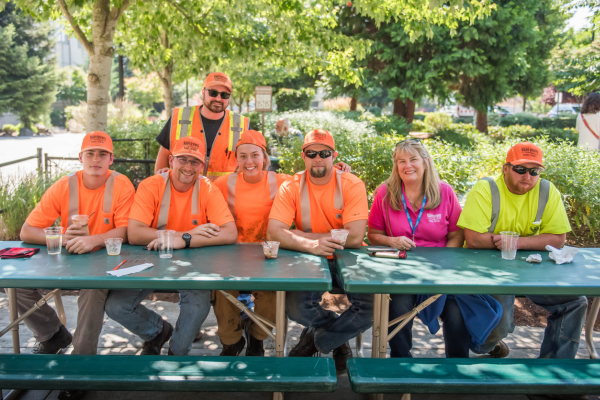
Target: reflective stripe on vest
x: 74, y: 195
x: 184, y: 121
x: 338, y: 198
x: 165, y: 204
x: 232, y: 182
x: 544, y: 196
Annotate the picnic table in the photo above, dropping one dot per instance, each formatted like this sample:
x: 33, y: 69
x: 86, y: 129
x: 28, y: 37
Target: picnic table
x: 233, y: 267
x: 432, y: 270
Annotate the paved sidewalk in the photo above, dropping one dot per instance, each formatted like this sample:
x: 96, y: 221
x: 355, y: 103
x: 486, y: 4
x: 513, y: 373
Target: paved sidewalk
x: 524, y: 343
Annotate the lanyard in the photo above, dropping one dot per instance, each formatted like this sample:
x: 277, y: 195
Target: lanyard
x: 413, y: 228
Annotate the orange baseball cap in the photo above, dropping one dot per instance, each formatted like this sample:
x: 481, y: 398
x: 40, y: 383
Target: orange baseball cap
x: 218, y: 79
x: 319, y: 136
x: 523, y: 153
x: 253, y: 137
x: 97, y: 141
x: 190, y: 146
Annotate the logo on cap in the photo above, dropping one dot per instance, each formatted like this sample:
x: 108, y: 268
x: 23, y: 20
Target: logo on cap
x: 98, y: 139
x: 220, y: 78
x: 529, y: 152
x: 189, y: 145
x: 319, y: 136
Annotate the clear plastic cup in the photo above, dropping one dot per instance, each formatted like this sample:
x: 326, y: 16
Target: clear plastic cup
x: 270, y: 249
x: 165, y: 243
x: 341, y: 234
x: 113, y: 246
x: 54, y: 236
x: 509, y: 244
x: 82, y: 220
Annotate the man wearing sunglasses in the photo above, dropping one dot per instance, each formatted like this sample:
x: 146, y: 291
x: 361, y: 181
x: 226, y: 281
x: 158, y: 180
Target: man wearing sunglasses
x: 183, y: 201
x: 218, y: 128
x: 317, y: 200
x: 518, y: 200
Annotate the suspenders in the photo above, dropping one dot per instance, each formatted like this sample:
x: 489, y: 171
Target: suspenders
x: 165, y: 204
x: 338, y: 199
x: 232, y: 181
x: 74, y: 195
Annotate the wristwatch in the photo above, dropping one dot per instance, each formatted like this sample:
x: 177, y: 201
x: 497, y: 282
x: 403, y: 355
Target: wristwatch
x: 187, y: 238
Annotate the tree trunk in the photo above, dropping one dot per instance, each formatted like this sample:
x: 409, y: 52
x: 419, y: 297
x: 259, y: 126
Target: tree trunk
x: 524, y: 103
x: 405, y: 110
x: 481, y: 122
x: 353, y: 103
x: 241, y: 102
x: 166, y: 80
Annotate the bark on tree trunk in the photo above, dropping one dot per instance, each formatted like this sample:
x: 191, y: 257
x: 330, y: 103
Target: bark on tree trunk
x: 481, y: 122
x: 405, y: 109
x: 353, y: 103
x: 241, y: 102
x: 166, y: 80
x: 524, y: 103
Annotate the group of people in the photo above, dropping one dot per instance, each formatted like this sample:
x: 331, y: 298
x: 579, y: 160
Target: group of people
x: 213, y: 187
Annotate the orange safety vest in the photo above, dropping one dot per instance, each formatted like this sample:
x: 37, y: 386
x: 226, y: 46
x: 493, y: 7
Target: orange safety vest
x: 319, y: 223
x: 186, y: 121
x: 107, y: 213
x: 232, y: 182
x: 163, y: 214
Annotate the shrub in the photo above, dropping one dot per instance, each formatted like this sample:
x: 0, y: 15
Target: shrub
x: 337, y: 104
x: 420, y: 126
x: 437, y: 121
x: 58, y: 118
x: 520, y: 119
x: 10, y: 128
x: 256, y: 121
x: 288, y: 100
x: 392, y: 125
x: 376, y: 111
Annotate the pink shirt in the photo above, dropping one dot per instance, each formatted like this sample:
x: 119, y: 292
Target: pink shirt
x: 435, y: 224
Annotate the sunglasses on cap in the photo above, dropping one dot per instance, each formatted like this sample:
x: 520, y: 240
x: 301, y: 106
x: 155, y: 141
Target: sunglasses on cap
x: 519, y: 169
x: 215, y: 93
x: 410, y: 140
x: 313, y: 154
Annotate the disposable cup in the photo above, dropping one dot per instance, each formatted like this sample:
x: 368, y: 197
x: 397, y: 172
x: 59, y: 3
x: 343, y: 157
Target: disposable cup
x: 54, y: 236
x: 165, y: 243
x: 509, y: 244
x: 270, y: 249
x: 113, y: 246
x: 341, y: 234
x: 82, y: 220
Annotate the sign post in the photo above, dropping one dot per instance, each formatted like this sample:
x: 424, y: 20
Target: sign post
x: 263, y: 96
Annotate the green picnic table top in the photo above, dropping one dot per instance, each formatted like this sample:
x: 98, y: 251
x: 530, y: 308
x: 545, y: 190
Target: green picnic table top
x: 432, y: 270
x: 233, y: 267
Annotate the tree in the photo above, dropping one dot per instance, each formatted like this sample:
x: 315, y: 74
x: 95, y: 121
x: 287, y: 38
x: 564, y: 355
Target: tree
x: 27, y: 73
x: 72, y: 87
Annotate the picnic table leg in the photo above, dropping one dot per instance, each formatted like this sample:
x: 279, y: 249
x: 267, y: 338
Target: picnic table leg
x: 383, y: 317
x: 60, y: 309
x: 280, y: 332
x: 376, y: 329
x: 589, y: 328
x: 14, y: 315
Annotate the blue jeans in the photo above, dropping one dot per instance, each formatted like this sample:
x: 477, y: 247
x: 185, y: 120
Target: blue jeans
x: 124, y: 307
x: 331, y: 330
x: 245, y: 299
x: 456, y: 336
x: 563, y: 329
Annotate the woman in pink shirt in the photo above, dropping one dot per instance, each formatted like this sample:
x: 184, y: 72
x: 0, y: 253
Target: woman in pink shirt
x: 414, y: 208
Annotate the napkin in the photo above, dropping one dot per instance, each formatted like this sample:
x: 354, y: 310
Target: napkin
x: 562, y: 256
x: 17, y: 252
x: 130, y: 270
x: 534, y: 258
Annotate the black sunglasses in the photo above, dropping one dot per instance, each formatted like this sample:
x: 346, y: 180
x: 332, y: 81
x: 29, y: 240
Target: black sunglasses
x: 519, y: 169
x: 215, y: 93
x: 323, y: 153
x: 413, y: 140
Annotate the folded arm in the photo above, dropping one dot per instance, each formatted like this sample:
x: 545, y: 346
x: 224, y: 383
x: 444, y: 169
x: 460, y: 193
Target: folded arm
x: 476, y: 240
x: 203, y: 235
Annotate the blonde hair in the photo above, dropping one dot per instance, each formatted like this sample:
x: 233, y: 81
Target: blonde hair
x: 266, y: 160
x: 431, y: 178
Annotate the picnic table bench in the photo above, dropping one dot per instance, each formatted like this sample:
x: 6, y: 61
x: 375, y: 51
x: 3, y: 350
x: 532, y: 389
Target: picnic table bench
x: 430, y: 270
x: 233, y: 267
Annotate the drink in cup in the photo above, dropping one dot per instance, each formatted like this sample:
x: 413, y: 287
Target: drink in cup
x: 113, y: 246
x: 54, y: 239
x: 509, y: 244
x: 270, y: 249
x: 82, y: 220
x: 341, y: 234
x: 165, y: 243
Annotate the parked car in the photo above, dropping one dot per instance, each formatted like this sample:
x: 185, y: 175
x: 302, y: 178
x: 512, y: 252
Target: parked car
x: 456, y: 111
x: 564, y: 108
x: 500, y: 110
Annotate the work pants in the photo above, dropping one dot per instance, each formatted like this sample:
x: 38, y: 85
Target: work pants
x: 228, y: 315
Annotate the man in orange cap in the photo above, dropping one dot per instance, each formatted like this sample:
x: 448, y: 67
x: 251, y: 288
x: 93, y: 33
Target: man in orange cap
x: 105, y: 195
x: 218, y: 128
x: 318, y: 200
x: 518, y: 200
x: 197, y: 201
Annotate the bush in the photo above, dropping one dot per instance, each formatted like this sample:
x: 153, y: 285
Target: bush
x: 18, y: 197
x: 376, y: 111
x: 438, y: 121
x: 9, y: 128
x: 119, y: 112
x: 392, y: 125
x: 520, y: 119
x: 288, y: 100
x: 58, y: 118
x: 256, y: 121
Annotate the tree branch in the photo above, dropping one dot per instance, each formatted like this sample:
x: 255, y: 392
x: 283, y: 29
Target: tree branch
x: 116, y: 13
x: 156, y: 69
x: 178, y: 8
x: 78, y: 32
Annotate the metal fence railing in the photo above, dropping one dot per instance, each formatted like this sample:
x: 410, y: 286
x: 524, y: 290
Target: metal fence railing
x: 38, y: 156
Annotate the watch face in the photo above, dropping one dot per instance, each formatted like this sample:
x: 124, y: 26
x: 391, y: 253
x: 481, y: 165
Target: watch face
x: 186, y: 236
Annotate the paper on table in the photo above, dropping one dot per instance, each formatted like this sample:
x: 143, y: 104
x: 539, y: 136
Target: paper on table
x: 565, y: 255
x: 130, y: 270
x: 534, y: 258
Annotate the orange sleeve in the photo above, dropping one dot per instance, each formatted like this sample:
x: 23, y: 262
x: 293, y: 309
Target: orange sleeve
x: 356, y: 206
x: 284, y: 206
x: 123, y: 202
x: 217, y: 211
x: 145, y: 202
x: 221, y: 184
x: 280, y: 179
x: 48, y: 209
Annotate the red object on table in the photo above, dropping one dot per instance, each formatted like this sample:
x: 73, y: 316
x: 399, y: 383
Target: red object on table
x: 17, y: 252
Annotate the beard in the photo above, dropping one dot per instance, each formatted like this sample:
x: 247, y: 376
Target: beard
x: 215, y: 106
x: 318, y: 173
